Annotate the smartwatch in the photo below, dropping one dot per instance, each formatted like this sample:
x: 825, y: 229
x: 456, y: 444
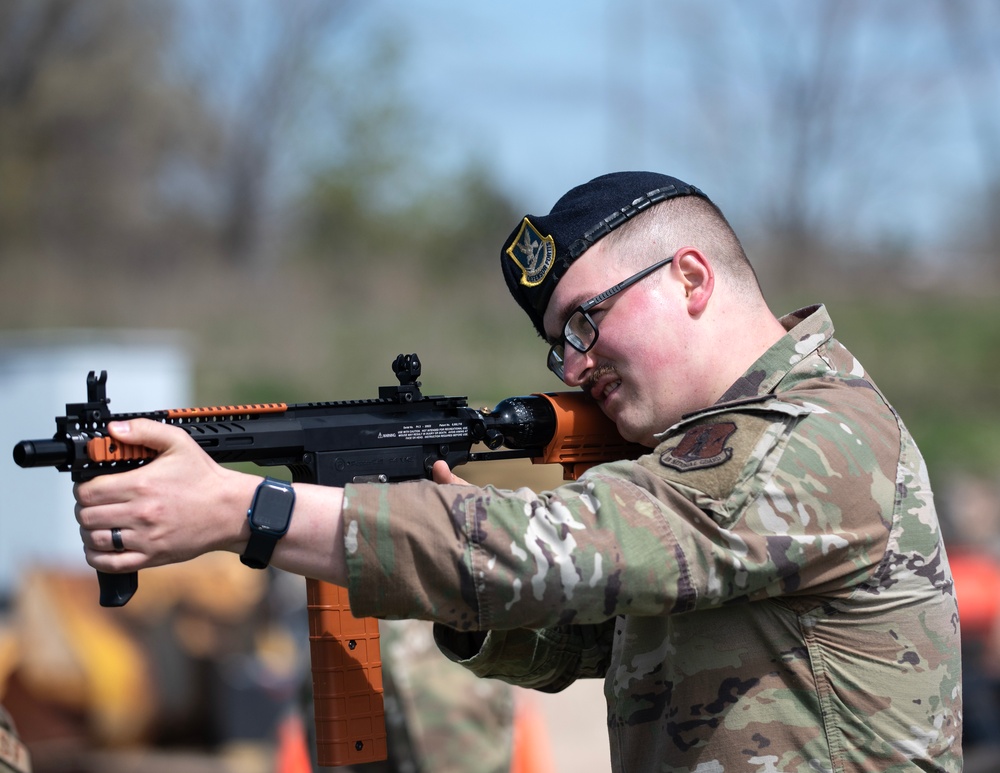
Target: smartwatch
x: 269, y: 516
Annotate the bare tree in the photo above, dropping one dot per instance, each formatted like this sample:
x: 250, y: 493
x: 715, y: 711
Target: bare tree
x: 255, y: 66
x: 87, y: 125
x: 814, y: 113
x: 147, y: 131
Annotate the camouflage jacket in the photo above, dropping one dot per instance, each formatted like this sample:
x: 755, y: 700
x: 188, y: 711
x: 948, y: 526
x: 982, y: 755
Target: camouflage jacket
x: 766, y: 591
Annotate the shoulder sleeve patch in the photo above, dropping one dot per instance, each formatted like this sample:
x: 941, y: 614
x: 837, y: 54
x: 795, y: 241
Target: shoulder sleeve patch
x: 723, y: 458
x: 704, y: 445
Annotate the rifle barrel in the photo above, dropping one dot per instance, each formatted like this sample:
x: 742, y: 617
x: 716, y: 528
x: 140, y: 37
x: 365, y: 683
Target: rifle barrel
x: 41, y: 453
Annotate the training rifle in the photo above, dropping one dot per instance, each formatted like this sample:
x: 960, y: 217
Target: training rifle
x: 395, y: 437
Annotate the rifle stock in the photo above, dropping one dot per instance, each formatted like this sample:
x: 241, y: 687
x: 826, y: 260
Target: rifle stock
x: 397, y: 436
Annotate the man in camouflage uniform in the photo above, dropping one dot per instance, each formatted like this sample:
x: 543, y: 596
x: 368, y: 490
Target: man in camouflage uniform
x: 765, y: 591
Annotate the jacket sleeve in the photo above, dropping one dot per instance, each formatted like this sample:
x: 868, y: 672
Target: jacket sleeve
x: 548, y: 660
x: 708, y: 519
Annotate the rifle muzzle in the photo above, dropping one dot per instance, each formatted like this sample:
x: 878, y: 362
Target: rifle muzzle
x: 42, y: 453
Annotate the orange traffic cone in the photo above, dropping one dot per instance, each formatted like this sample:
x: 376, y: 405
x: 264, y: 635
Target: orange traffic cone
x: 292, y: 755
x: 532, y: 752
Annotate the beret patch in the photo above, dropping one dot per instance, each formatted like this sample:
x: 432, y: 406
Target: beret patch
x: 533, y: 253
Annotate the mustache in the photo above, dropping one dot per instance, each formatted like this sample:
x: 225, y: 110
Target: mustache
x: 600, y: 372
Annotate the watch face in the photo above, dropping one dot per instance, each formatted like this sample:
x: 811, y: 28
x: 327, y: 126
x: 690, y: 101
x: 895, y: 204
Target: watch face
x: 272, y: 508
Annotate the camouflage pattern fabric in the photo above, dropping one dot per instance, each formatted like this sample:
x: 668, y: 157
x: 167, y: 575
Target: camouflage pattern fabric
x: 766, y: 591
x: 449, y: 720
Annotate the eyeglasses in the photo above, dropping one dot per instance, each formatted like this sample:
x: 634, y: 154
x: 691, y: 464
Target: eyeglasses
x: 580, y: 330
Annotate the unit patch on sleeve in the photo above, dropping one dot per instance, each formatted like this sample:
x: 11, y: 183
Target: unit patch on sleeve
x: 704, y: 445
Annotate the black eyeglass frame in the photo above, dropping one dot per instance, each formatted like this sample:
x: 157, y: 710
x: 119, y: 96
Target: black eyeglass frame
x: 556, y: 360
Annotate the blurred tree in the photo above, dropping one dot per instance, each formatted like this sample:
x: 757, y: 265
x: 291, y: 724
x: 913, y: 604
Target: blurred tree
x: 154, y: 134
x: 374, y: 195
x: 85, y: 124
x: 369, y: 165
x: 449, y: 230
x: 256, y: 67
x: 464, y: 224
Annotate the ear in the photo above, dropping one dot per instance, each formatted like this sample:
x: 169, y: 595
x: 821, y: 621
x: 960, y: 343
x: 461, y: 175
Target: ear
x: 697, y: 277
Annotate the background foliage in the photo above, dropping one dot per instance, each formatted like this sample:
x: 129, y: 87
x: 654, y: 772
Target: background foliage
x: 259, y: 175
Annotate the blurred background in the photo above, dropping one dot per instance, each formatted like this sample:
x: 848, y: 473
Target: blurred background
x: 282, y: 195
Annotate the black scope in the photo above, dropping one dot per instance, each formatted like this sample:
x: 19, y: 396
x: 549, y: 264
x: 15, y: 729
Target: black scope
x: 520, y: 422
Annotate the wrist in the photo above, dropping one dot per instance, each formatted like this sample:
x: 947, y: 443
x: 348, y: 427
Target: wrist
x: 240, y: 490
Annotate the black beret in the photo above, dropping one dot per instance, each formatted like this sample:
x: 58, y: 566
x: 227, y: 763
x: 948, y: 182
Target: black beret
x: 541, y: 248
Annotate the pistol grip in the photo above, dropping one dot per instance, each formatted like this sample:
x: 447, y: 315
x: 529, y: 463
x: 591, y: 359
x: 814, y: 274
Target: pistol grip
x: 347, y: 679
x: 117, y: 589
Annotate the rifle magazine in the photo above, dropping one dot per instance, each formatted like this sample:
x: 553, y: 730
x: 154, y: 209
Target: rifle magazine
x: 347, y: 679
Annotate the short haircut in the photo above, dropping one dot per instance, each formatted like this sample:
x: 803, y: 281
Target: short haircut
x: 686, y: 221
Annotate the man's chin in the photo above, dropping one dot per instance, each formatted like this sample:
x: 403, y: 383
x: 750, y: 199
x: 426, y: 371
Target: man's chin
x: 635, y: 435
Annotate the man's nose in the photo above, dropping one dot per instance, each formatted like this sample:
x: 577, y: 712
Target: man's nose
x: 576, y: 366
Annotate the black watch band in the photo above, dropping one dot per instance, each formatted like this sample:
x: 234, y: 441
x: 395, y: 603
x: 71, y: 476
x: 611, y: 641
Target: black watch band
x: 269, y: 516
